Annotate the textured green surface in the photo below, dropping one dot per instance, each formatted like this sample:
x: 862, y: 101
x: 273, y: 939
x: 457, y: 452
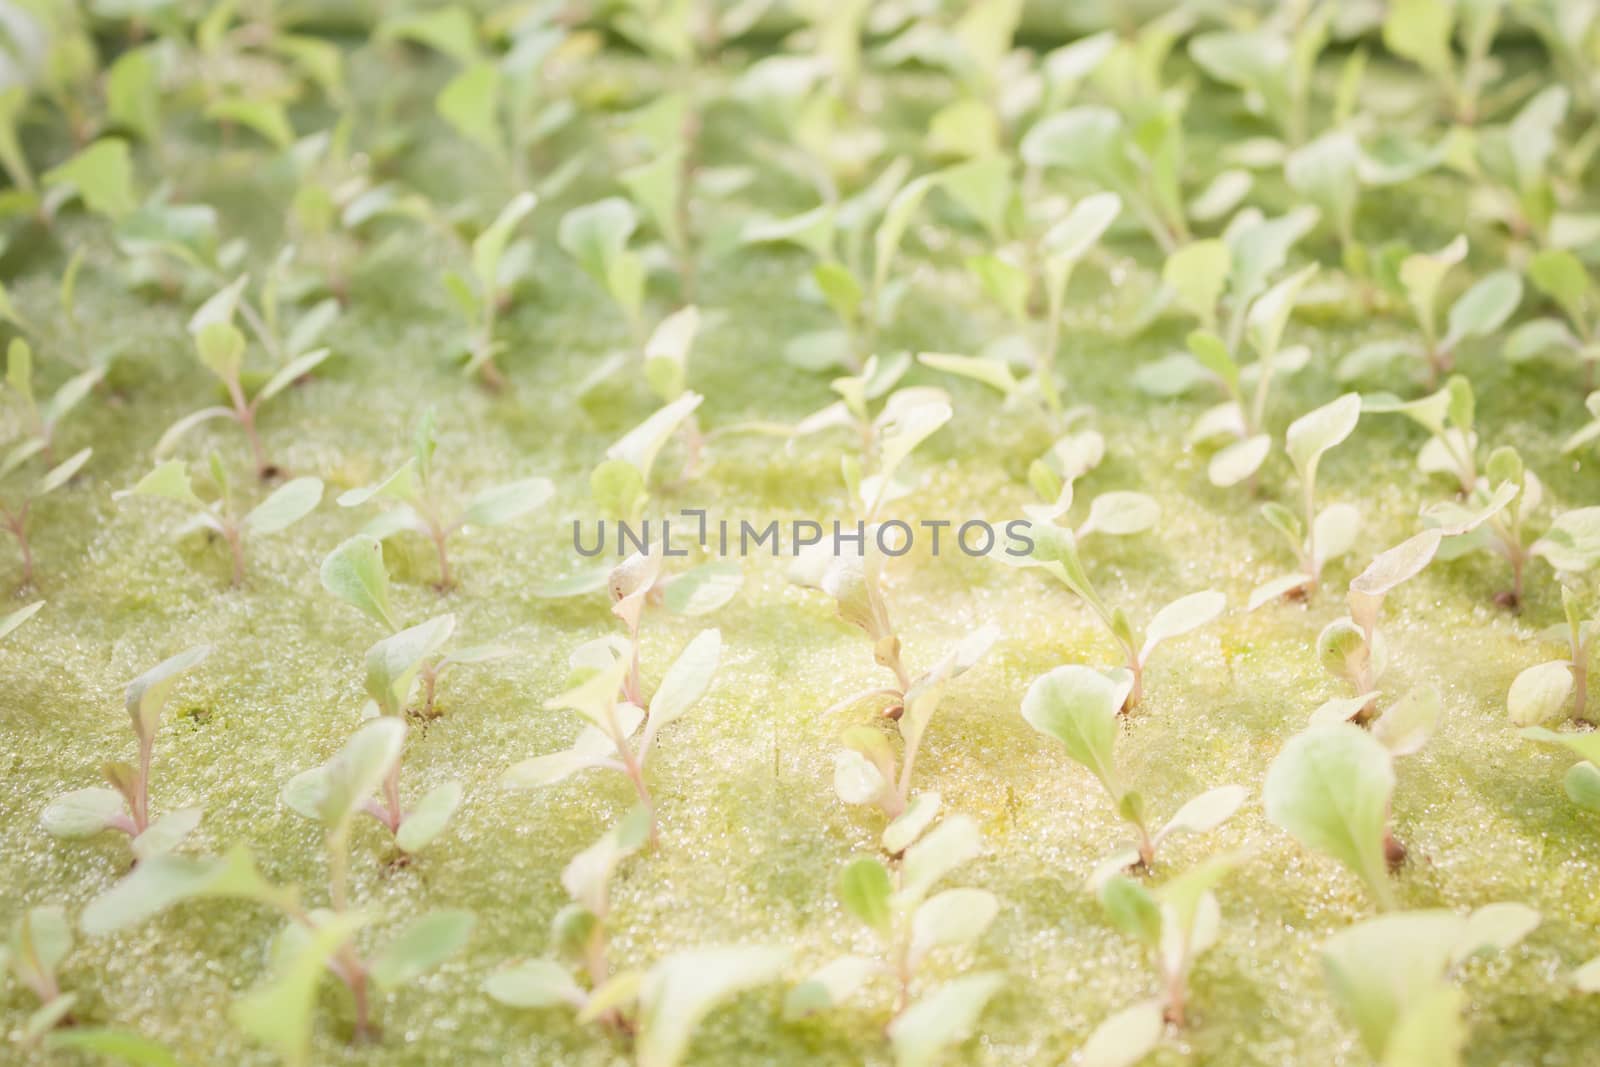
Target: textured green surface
x: 752, y: 836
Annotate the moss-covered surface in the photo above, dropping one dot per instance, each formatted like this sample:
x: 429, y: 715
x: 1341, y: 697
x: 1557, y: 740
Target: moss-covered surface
x: 752, y: 835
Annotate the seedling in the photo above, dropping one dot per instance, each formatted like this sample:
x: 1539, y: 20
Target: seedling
x: 910, y: 927
x: 284, y: 507
x: 497, y: 266
x: 378, y: 743
x: 1078, y: 706
x: 1223, y: 282
x: 659, y: 1007
x: 865, y: 771
x: 1316, y: 537
x: 1562, y: 277
x: 1353, y: 649
x: 354, y: 572
x: 1330, y: 787
x: 596, y: 236
x: 41, y: 938
x: 15, y: 511
x: 280, y: 1011
x: 221, y: 347
x: 1415, y: 1010
x: 1519, y: 171
x: 40, y: 422
x: 1427, y: 34
x: 1448, y: 415
x: 1538, y: 693
x: 1272, y: 65
x: 1056, y: 552
x: 605, y: 689
x: 125, y: 807
x: 1176, y: 923
x: 413, y: 501
x: 865, y: 301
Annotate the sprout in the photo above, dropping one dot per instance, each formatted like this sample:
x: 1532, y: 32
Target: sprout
x: 1538, y: 693
x: 661, y: 1006
x: 1561, y: 277
x: 605, y: 689
x: 1315, y: 537
x: 1223, y: 282
x: 1403, y: 1012
x: 284, y: 507
x: 1448, y: 415
x: 1425, y: 33
x: 1478, y: 312
x: 221, y: 347
x: 1272, y: 66
x: 497, y: 265
x: 41, y: 938
x: 1056, y: 552
x: 910, y: 924
x: 40, y: 422
x: 1176, y: 924
x: 15, y: 512
x: 1078, y: 706
x: 413, y: 502
x: 408, y: 658
x: 125, y: 807
x: 101, y: 175
x: 596, y: 236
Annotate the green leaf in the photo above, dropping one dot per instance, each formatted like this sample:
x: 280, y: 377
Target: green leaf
x: 640, y: 446
x: 953, y: 842
x: 1329, y: 787
x: 585, y: 878
x: 166, y: 833
x: 393, y: 663
x: 1586, y: 745
x: 1078, y: 706
x: 169, y: 480
x: 1560, y: 275
x: 1420, y: 30
x: 1072, y: 237
x: 147, y: 694
x: 446, y: 29
x: 910, y: 824
x: 1485, y: 307
x: 505, y: 503
x: 421, y: 947
x: 290, y: 373
x: 427, y: 820
x: 1269, y: 315
x: 828, y: 986
x: 952, y: 918
x: 666, y: 353
x: 61, y: 473
x: 10, y: 621
x: 83, y: 812
x: 1582, y: 784
x: 687, y: 680
x: 1238, y: 461
x: 1378, y: 970
x: 489, y: 247
x: 354, y: 572
x: 896, y: 220
x: 266, y: 117
x: 1421, y: 274
x: 1182, y: 616
x: 287, y: 505
x: 123, y: 1046
x: 1573, y: 541
x: 102, y: 174
x: 471, y: 101
x: 1132, y: 909
x: 1538, y: 693
x: 1314, y: 433
x: 1196, y: 274
x: 864, y: 890
x: 596, y: 235
x: 1121, y: 513
x: 990, y: 372
x: 703, y: 589
x: 656, y: 187
x: 942, y: 1019
x: 159, y: 883
x: 534, y: 984
x: 1125, y: 1038
x: 220, y: 347
x: 683, y: 988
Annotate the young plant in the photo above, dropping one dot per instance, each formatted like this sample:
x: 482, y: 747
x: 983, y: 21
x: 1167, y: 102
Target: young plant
x: 621, y: 484
x: 658, y: 1007
x: 379, y: 741
x: 1078, y: 706
x: 1539, y: 693
x: 1563, y: 278
x: 1448, y: 414
x: 865, y: 771
x: 1056, y: 551
x: 413, y: 501
x: 15, y: 511
x: 1505, y: 533
x: 1413, y: 1013
x: 1223, y: 283
x: 497, y: 266
x: 596, y: 236
x: 1315, y: 537
x: 910, y: 924
x: 40, y: 422
x: 280, y: 1011
x: 1176, y: 924
x: 1329, y: 788
x: 1272, y: 65
x: 1047, y: 264
x: 606, y: 690
x: 125, y: 807
x: 284, y: 507
x: 41, y: 938
x: 221, y: 347
x: 864, y: 299
x: 1518, y: 167
x: 1429, y: 35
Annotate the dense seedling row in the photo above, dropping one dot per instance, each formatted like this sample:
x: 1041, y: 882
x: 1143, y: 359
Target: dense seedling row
x: 1034, y: 172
